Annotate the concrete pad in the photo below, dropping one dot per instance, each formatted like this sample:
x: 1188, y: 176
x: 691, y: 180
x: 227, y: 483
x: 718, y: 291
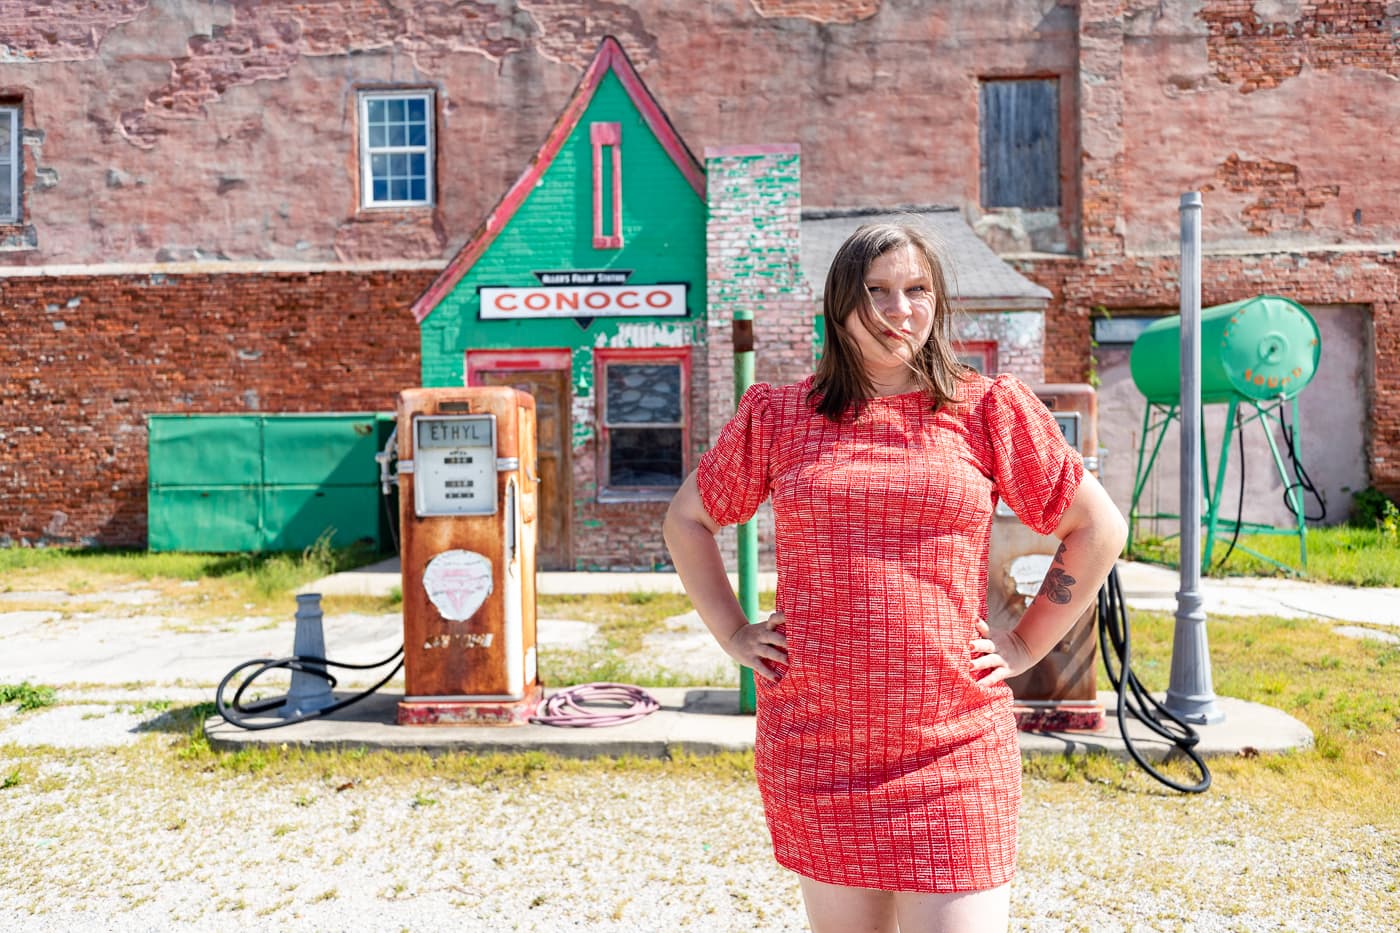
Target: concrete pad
x: 707, y: 720
x: 693, y: 720
x: 1356, y: 631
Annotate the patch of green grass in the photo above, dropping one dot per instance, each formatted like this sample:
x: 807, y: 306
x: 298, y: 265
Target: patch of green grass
x: 1345, y: 690
x: 252, y: 578
x: 1338, y: 554
x: 27, y: 695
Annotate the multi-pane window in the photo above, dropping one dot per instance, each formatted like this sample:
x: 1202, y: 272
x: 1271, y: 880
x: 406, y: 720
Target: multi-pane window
x: 1020, y: 143
x: 9, y: 164
x: 643, y: 420
x: 396, y: 148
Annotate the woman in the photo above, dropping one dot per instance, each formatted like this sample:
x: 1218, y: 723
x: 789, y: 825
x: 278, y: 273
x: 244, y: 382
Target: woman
x: 886, y: 752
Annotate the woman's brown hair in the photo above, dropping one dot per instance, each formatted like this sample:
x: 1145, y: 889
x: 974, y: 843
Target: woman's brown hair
x: 840, y: 380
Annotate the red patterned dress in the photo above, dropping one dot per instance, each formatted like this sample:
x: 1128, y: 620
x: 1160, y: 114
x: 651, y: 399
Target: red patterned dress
x: 882, y: 763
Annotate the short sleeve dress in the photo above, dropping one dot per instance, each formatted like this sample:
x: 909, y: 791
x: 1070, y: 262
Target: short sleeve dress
x: 881, y: 761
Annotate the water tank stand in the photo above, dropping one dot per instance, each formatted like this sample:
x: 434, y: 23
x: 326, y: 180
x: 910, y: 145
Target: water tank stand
x: 1157, y: 420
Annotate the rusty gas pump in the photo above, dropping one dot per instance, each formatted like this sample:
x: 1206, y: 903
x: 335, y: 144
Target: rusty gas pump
x: 468, y: 500
x: 1060, y: 692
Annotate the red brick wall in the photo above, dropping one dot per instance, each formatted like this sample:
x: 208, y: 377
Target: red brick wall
x: 1316, y: 278
x: 1256, y: 53
x: 86, y: 358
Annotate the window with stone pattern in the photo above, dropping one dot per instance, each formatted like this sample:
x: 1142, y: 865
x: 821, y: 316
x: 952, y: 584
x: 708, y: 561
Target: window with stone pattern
x: 1020, y: 143
x: 643, y: 420
x: 396, y: 148
x: 10, y: 174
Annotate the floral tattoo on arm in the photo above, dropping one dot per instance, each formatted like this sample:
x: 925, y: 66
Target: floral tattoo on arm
x: 1057, y: 582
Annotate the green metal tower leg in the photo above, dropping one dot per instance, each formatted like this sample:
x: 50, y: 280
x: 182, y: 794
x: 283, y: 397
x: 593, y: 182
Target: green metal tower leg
x: 1213, y: 500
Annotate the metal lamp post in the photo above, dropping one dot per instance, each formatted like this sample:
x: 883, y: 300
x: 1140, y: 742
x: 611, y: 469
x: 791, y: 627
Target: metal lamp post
x: 1190, y: 694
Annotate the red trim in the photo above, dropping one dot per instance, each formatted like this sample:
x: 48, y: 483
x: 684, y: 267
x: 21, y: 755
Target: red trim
x: 987, y: 349
x: 508, y: 360
x: 609, y: 57
x: 604, y: 136
x: 602, y: 358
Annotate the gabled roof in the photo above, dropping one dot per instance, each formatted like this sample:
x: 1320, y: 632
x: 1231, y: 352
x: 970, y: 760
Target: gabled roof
x: 609, y: 58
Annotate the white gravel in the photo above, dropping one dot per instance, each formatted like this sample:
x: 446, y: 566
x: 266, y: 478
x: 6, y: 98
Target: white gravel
x: 137, y: 839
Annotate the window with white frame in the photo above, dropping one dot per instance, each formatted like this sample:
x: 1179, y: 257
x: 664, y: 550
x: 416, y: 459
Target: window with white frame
x: 643, y: 402
x: 10, y: 173
x: 396, y: 148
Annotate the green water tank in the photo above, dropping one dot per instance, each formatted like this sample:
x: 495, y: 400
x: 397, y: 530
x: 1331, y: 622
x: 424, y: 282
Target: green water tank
x: 1260, y: 348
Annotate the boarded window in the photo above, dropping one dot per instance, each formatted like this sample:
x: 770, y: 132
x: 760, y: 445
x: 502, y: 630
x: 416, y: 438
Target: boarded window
x: 1020, y: 137
x: 9, y: 164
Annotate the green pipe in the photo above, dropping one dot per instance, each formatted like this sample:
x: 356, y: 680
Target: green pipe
x: 748, y: 531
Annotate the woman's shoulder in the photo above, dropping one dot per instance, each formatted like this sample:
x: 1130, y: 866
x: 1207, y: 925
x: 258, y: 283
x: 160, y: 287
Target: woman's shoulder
x: 784, y: 395
x: 976, y: 390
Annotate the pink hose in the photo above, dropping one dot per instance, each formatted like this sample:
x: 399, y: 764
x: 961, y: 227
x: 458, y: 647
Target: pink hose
x: 626, y: 703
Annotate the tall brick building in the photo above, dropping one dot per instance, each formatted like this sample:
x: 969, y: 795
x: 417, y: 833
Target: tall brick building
x: 233, y: 207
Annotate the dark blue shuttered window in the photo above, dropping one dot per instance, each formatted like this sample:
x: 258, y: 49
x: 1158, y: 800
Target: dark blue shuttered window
x: 1020, y: 135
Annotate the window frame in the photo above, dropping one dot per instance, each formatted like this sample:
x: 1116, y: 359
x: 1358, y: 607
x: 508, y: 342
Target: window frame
x: 985, y: 350
x: 14, y: 212
x: 428, y: 149
x: 606, y: 357
x: 1054, y: 159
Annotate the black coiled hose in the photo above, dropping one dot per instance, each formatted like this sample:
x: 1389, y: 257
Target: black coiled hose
x: 235, y: 713
x: 1113, y: 631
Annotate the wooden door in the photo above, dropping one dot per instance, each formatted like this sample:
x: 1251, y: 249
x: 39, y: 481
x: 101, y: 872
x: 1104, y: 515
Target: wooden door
x: 550, y: 387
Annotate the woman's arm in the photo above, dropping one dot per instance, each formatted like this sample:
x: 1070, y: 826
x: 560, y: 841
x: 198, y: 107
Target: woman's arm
x: 1091, y: 536
x: 690, y: 537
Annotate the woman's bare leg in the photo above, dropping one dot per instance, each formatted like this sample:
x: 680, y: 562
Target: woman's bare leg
x: 834, y: 908
x: 986, y: 911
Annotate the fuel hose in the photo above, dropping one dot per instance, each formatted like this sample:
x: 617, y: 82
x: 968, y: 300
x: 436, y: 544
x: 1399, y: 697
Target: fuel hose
x: 244, y: 716
x: 1142, y: 706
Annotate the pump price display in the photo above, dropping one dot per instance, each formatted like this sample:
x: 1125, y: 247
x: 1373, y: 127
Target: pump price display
x: 454, y: 465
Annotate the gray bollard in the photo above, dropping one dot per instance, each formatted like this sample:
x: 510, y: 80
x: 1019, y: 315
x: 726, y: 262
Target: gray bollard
x: 308, y: 692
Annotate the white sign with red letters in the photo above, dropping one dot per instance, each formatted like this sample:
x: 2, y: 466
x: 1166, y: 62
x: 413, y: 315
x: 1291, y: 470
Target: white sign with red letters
x: 583, y: 301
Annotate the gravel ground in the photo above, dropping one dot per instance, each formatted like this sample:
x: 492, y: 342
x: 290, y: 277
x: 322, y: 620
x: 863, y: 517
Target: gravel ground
x: 103, y: 826
x: 133, y: 838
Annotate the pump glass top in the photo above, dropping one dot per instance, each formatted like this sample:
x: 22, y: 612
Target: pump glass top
x: 455, y: 464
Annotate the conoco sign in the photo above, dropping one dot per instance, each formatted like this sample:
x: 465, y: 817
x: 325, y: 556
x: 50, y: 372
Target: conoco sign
x: 583, y: 301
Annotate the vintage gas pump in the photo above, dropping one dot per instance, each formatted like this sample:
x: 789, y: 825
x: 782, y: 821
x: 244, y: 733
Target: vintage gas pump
x: 468, y: 493
x: 1060, y: 692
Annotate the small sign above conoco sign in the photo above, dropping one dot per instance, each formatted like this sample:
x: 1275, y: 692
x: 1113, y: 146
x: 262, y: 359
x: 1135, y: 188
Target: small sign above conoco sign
x: 583, y: 301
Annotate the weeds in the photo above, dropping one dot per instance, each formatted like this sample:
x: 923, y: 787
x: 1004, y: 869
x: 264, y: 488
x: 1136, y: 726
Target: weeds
x: 26, y: 695
x: 1342, y: 554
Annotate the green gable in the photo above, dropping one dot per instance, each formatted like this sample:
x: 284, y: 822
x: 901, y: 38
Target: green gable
x: 663, y: 231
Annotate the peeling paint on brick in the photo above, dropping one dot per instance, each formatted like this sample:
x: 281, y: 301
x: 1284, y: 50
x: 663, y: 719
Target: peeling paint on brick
x: 1284, y: 202
x: 264, y: 43
x: 569, y: 30
x: 646, y: 334
x: 64, y: 31
x: 820, y: 11
x: 1259, y: 45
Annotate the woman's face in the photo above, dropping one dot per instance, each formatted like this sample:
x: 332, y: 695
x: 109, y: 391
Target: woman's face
x: 901, y: 290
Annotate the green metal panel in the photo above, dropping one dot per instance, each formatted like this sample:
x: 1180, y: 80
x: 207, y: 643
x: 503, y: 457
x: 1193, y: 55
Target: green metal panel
x: 316, y: 449
x: 188, y: 518
x: 264, y: 482
x: 296, y: 516
x: 663, y: 226
x: 221, y: 450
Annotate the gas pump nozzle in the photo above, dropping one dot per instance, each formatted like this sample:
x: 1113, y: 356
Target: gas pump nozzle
x: 387, y: 479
